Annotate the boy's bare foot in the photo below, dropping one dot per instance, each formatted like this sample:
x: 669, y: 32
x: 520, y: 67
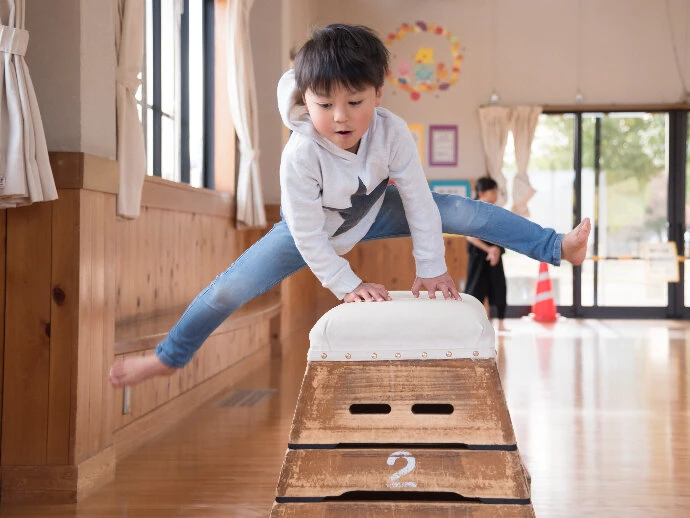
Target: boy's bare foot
x: 130, y: 371
x: 574, y: 244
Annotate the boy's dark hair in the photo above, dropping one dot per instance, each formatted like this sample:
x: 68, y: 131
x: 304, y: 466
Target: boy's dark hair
x: 349, y: 55
x: 483, y: 184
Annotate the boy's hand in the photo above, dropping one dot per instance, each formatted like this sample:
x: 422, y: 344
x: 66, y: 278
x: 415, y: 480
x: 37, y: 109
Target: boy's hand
x: 443, y: 283
x: 368, y: 292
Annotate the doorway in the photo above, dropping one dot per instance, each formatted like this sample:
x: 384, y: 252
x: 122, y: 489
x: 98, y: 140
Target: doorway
x: 628, y: 172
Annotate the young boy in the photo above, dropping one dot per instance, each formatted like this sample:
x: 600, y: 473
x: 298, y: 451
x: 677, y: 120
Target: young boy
x: 334, y: 176
x: 485, y: 275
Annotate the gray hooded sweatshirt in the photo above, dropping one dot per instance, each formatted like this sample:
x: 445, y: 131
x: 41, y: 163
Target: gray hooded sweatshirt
x: 330, y: 197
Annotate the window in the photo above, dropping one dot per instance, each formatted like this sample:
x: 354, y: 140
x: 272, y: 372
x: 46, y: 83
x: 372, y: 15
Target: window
x: 176, y: 98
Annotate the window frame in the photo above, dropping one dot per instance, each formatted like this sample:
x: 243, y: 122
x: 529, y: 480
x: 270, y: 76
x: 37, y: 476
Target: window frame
x: 155, y: 116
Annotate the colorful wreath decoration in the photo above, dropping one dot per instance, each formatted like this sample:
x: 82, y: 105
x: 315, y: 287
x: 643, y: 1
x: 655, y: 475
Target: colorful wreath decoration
x: 425, y: 79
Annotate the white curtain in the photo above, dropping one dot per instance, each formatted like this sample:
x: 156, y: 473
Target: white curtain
x: 524, y: 122
x: 243, y: 107
x: 495, y: 125
x: 25, y: 173
x: 131, y: 150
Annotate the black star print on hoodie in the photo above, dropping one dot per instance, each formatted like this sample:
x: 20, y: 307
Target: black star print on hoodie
x: 361, y: 203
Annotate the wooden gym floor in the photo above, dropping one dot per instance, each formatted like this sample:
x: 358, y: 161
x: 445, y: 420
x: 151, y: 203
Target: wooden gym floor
x: 600, y: 410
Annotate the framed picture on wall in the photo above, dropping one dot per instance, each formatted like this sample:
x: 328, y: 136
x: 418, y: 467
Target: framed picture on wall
x: 418, y: 136
x: 461, y: 187
x: 443, y: 145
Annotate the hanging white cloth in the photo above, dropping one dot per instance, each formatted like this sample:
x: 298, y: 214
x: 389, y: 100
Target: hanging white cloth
x: 131, y: 147
x: 495, y: 125
x: 25, y: 173
x: 524, y: 123
x: 243, y: 107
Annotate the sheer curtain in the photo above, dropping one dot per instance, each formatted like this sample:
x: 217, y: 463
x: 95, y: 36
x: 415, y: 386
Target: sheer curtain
x: 25, y: 173
x: 243, y: 107
x: 524, y: 123
x: 495, y: 125
x: 131, y: 148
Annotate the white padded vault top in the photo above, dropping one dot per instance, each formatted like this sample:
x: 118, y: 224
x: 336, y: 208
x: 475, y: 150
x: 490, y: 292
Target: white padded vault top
x: 404, y: 328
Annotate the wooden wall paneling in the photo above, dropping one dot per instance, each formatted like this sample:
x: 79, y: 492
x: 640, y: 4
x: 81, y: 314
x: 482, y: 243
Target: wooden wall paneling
x: 124, y: 231
x: 85, y: 346
x: 140, y: 262
x: 94, y: 260
x: 152, y: 305
x: 109, y: 305
x: 400, y: 252
x: 148, y: 255
x: 135, y: 273
x: 299, y: 294
x: 160, y: 267
x: 118, y: 228
x: 125, y: 236
x: 171, y: 244
x: 3, y: 259
x: 456, y: 256
x: 183, y: 263
x: 190, y: 263
x: 168, y: 258
x: 93, y: 216
x: 141, y: 247
x: 64, y: 327
x: 203, y: 273
x: 155, y: 264
x: 121, y: 250
x: 202, y: 276
x: 166, y: 269
x: 27, y: 342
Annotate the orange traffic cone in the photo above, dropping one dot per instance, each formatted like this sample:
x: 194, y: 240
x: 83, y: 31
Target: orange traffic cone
x: 544, y: 308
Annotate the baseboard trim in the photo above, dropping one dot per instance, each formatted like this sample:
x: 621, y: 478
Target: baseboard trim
x: 57, y: 484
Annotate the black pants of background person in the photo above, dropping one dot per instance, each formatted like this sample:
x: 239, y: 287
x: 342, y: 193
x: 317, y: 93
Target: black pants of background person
x: 484, y: 280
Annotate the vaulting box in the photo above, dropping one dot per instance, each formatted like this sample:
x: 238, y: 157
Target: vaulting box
x: 401, y: 412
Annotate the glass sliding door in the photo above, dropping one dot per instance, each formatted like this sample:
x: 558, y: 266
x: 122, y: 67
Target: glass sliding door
x: 625, y: 181
x: 630, y: 173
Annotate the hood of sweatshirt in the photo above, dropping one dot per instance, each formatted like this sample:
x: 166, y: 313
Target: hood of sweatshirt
x: 296, y: 117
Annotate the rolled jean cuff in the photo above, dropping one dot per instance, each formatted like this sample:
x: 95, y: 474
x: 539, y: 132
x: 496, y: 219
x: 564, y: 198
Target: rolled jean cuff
x: 558, y: 249
x: 173, y: 362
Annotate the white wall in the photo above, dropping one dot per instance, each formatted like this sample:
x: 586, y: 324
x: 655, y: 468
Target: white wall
x: 528, y: 50
x: 274, y: 28
x: 72, y: 63
x: 265, y: 26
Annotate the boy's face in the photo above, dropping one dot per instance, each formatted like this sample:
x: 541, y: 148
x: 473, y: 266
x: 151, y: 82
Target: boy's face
x: 344, y: 115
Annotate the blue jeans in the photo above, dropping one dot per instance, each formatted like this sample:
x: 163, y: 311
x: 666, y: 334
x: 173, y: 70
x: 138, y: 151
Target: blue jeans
x: 275, y: 257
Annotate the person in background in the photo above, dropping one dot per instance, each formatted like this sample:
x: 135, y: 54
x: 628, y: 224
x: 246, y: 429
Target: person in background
x: 485, y: 275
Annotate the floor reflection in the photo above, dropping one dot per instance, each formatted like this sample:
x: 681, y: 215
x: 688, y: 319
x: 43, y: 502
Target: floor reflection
x: 601, y: 415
